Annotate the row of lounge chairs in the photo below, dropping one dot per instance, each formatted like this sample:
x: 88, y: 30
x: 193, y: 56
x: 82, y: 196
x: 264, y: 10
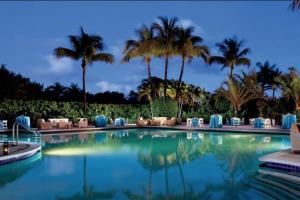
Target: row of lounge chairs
x: 216, y: 121
x: 61, y: 123
x: 156, y: 121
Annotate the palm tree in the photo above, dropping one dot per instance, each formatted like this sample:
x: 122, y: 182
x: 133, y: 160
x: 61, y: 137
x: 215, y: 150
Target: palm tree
x: 263, y: 75
x: 145, y: 90
x: 56, y: 91
x: 167, y: 31
x: 232, y: 54
x: 267, y: 77
x: 188, y: 46
x: 290, y: 85
x: 145, y: 47
x: 275, y: 74
x: 85, y: 47
x: 239, y: 90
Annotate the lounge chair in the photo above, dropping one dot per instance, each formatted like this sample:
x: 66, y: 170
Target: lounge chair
x: 171, y: 122
x: 162, y: 120
x: 295, y: 138
x: 141, y: 122
x: 82, y: 123
x: 235, y: 121
x: 251, y: 121
x: 60, y: 123
x: 153, y: 122
x: 119, y: 122
x: 43, y: 125
x: 267, y: 123
x: 3, y: 125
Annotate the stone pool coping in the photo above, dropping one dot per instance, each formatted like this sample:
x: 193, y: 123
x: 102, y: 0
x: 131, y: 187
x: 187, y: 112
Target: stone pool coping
x: 232, y: 129
x: 30, y: 150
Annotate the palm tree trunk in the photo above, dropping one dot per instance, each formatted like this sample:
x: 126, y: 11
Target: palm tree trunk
x: 151, y: 109
x: 84, y: 176
x: 166, y: 177
x: 273, y: 94
x: 166, y: 76
x: 148, y: 69
x: 180, y: 77
x: 231, y: 72
x: 83, y: 65
x: 150, y: 175
x: 181, y: 173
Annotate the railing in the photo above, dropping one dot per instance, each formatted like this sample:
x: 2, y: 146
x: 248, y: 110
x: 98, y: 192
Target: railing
x: 15, y: 132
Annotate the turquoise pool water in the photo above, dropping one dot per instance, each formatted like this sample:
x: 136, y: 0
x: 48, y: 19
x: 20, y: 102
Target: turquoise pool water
x: 145, y: 164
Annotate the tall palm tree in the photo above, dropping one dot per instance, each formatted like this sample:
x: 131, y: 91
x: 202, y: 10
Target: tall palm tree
x: 86, y: 48
x: 290, y: 85
x: 188, y: 46
x: 239, y: 90
x: 145, y: 47
x: 167, y: 31
x: 232, y: 54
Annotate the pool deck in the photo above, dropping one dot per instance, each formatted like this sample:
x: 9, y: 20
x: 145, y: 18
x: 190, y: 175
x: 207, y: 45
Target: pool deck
x: 234, y: 129
x: 19, y: 152
x: 284, y: 158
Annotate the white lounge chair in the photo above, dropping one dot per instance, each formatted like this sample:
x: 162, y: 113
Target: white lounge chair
x: 3, y: 125
x: 267, y: 123
x: 295, y: 138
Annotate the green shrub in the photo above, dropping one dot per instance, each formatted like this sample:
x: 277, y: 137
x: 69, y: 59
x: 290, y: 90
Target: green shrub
x: 164, y: 108
x: 10, y: 109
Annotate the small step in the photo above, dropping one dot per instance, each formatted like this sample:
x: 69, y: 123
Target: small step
x: 274, y: 187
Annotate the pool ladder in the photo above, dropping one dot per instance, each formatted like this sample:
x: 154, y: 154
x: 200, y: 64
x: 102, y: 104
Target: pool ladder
x: 15, y: 132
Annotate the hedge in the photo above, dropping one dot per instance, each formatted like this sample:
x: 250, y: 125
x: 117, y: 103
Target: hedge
x: 35, y: 109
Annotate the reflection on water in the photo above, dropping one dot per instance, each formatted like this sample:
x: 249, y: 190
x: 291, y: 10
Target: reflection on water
x: 144, y: 164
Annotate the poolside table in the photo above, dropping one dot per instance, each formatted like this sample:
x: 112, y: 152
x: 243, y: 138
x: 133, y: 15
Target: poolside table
x: 262, y: 123
x: 100, y: 121
x: 288, y: 120
x: 24, y: 120
x: 216, y: 121
x: 258, y: 122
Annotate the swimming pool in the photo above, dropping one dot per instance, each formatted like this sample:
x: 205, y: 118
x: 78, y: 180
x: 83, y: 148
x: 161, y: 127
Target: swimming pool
x: 146, y: 164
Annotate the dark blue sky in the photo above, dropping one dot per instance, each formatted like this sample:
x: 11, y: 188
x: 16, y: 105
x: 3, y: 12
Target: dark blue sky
x: 31, y: 30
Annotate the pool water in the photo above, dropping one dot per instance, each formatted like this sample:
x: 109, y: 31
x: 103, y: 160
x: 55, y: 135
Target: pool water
x: 145, y: 164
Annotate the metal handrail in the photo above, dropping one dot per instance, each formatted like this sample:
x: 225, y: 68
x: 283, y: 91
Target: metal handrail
x: 16, y: 131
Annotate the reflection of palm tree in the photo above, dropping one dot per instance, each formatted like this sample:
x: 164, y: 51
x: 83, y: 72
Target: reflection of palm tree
x: 235, y: 158
x: 88, y: 191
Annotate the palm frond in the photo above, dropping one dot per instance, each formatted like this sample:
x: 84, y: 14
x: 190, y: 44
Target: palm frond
x: 64, y: 52
x: 105, y: 57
